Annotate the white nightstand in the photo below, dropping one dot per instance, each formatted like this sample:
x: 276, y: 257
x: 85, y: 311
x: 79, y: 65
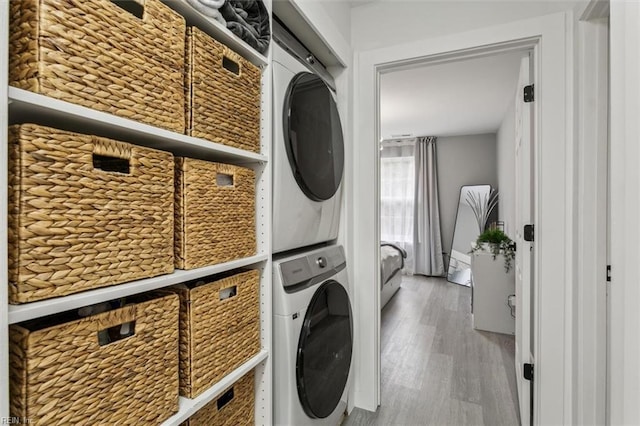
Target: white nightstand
x: 491, y: 287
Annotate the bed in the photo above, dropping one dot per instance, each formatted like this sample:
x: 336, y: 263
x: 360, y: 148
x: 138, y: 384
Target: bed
x: 391, y: 263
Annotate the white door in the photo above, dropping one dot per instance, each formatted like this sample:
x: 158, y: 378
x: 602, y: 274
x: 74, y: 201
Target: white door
x: 524, y: 251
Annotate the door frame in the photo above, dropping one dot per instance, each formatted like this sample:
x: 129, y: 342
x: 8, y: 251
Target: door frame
x: 552, y: 36
x: 524, y: 206
x: 624, y: 292
x: 592, y: 57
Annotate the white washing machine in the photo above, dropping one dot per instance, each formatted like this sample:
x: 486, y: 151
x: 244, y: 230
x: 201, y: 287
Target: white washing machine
x: 308, y: 148
x: 312, y: 338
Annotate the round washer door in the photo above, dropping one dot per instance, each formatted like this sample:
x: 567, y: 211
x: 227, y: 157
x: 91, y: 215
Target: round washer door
x: 324, y: 350
x: 313, y: 136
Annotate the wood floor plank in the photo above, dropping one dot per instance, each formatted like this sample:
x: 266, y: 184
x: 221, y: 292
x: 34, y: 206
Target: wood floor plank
x: 452, y: 296
x: 436, y: 369
x: 411, y: 354
x: 496, y: 402
x: 465, y: 383
x: 449, y: 330
x: 433, y: 308
x: 508, y: 361
x: 455, y: 413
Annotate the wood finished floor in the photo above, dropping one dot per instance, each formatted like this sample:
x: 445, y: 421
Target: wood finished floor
x: 436, y: 369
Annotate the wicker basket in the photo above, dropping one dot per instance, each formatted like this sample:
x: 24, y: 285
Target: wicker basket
x: 223, y: 94
x: 85, y: 212
x: 62, y: 375
x: 235, y: 407
x: 97, y: 54
x: 219, y: 329
x: 214, y: 213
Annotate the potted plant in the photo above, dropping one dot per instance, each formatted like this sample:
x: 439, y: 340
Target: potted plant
x: 496, y: 242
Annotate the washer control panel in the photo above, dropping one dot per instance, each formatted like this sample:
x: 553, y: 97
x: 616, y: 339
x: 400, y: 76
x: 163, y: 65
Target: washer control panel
x: 316, y: 264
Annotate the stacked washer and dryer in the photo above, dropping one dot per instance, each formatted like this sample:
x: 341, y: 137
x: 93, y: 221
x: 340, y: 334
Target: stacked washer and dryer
x: 312, y: 324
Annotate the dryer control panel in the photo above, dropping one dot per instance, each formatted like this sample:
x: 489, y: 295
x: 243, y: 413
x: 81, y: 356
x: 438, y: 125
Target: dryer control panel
x: 311, y: 268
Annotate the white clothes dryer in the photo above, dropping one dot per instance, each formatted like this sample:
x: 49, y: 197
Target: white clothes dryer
x: 308, y: 148
x: 312, y: 338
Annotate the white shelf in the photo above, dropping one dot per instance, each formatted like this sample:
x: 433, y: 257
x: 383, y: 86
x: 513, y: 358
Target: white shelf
x: 27, y: 107
x: 216, y: 30
x: 27, y: 311
x: 23, y: 107
x: 188, y: 407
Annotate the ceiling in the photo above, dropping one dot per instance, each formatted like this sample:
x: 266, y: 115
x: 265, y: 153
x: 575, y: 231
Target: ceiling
x: 455, y: 98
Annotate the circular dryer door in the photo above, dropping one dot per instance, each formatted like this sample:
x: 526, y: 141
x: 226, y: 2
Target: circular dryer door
x: 313, y: 136
x: 324, y: 350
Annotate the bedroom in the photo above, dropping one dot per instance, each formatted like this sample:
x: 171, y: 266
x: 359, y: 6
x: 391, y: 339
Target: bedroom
x: 469, y: 106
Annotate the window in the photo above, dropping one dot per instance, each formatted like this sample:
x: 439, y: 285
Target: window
x: 397, y: 183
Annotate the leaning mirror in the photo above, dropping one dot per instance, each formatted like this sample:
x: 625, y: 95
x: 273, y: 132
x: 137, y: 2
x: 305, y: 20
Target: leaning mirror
x: 474, y: 207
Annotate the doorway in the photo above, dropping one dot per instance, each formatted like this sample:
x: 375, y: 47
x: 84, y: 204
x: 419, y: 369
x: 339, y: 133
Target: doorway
x: 546, y: 37
x: 473, y: 108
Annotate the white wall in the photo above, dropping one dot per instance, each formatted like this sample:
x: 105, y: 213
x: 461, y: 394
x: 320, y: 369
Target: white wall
x: 387, y: 23
x: 462, y: 160
x: 589, y: 290
x: 587, y: 325
x: 340, y: 14
x: 507, y: 171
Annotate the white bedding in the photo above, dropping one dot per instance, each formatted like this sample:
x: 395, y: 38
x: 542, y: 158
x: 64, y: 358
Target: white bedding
x: 390, y: 263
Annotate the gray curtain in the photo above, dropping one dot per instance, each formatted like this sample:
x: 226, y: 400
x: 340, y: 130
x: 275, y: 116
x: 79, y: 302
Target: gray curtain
x: 427, y: 238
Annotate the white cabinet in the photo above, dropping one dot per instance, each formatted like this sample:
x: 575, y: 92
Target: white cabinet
x: 491, y: 288
x: 23, y: 106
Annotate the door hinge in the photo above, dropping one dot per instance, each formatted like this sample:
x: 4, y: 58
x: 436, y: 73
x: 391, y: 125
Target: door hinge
x: 528, y: 93
x: 529, y: 231
x: 528, y: 372
x: 608, y: 273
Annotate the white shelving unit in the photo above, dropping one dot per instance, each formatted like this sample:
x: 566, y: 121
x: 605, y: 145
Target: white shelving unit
x: 20, y: 106
x: 4, y: 267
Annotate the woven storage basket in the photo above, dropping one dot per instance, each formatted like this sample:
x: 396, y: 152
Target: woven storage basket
x: 219, y: 329
x: 61, y: 375
x: 235, y: 407
x: 97, y: 54
x: 223, y: 94
x: 214, y: 213
x: 78, y: 219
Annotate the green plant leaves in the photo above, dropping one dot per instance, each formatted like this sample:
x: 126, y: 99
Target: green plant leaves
x: 499, y: 243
